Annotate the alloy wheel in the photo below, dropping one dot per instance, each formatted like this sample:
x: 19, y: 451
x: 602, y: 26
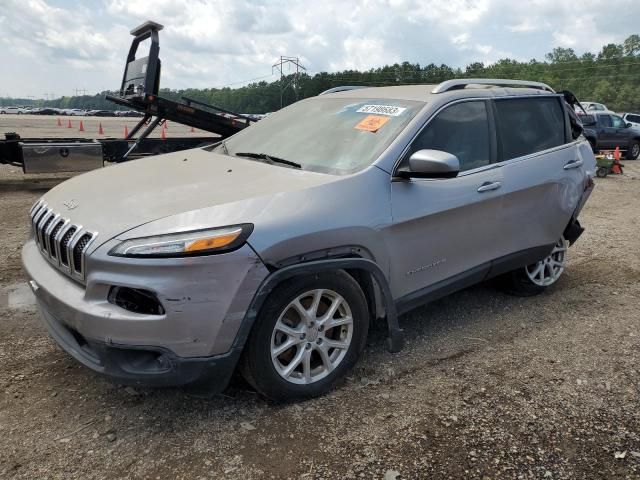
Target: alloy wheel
x: 311, y: 336
x: 548, y: 270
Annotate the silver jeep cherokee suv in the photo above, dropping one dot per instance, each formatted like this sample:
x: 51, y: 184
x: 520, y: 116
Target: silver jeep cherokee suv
x: 274, y: 250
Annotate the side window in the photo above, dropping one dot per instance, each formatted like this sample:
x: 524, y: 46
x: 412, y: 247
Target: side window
x: 617, y: 122
x: 633, y: 118
x: 605, y: 121
x: 462, y: 130
x: 529, y: 125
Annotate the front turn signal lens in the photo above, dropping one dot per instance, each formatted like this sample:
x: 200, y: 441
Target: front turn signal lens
x: 198, y: 242
x: 213, y: 242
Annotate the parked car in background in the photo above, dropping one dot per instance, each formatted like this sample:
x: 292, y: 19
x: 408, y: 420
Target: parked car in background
x: 47, y: 111
x: 101, y: 113
x: 632, y: 118
x: 12, y: 110
x: 255, y: 117
x: 606, y: 131
x: 593, y: 107
x: 75, y: 112
x: 275, y: 249
x: 128, y: 113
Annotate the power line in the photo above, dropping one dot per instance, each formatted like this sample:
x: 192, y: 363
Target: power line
x: 246, y: 81
x: 293, y: 82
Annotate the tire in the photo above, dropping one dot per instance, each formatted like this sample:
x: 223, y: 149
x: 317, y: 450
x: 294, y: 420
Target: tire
x: 602, y: 172
x: 634, y: 150
x: 524, y: 282
x: 277, y: 377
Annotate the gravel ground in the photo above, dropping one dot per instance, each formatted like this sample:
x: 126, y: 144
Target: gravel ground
x: 489, y: 386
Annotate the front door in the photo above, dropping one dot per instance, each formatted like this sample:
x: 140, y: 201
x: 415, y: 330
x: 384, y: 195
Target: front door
x: 444, y: 229
x: 607, y: 135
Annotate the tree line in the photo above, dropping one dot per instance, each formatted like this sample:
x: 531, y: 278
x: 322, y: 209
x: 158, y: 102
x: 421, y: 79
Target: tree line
x: 612, y: 77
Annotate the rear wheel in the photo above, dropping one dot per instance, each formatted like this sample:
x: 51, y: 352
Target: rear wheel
x: 308, y: 334
x: 537, y: 277
x: 633, y: 151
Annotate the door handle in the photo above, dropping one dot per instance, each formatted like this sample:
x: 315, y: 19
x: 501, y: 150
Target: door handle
x: 572, y: 164
x: 488, y: 186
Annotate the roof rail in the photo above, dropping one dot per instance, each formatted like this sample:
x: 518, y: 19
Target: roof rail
x: 460, y: 83
x: 343, y: 88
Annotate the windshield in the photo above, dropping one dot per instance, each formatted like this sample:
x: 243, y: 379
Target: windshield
x: 329, y: 135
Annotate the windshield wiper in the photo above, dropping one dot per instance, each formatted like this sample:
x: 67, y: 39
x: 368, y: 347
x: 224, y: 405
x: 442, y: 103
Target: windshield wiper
x: 268, y: 158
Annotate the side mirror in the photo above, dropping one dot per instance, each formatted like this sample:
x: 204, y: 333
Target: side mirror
x: 431, y: 164
x: 629, y: 125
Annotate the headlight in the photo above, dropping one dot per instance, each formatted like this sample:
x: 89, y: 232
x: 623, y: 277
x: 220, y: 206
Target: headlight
x: 199, y: 242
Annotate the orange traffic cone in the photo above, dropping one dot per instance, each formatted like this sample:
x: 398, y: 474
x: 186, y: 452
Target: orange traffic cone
x: 163, y: 135
x: 100, y: 131
x: 616, y: 153
x: 126, y: 132
x: 81, y: 129
x: 59, y: 122
x: 69, y: 124
x: 166, y: 124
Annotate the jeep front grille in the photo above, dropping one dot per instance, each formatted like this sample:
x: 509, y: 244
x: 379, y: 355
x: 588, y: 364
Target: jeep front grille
x: 61, y: 242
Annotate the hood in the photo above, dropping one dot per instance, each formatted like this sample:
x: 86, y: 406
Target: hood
x: 115, y: 199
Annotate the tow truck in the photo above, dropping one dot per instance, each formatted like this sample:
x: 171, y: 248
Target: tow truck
x: 139, y: 91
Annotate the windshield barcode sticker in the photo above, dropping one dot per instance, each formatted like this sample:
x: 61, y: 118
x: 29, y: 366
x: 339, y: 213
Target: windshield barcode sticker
x: 389, y: 110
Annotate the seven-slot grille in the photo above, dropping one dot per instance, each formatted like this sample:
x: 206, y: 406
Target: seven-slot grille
x: 61, y: 242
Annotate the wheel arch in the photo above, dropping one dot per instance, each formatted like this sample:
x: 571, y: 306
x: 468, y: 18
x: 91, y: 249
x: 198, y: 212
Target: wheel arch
x: 366, y: 272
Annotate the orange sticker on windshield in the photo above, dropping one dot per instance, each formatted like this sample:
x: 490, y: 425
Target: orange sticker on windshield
x: 372, y: 123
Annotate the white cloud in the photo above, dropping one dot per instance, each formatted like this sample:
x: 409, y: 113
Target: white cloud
x: 460, y: 39
x: 484, y: 49
x: 208, y: 43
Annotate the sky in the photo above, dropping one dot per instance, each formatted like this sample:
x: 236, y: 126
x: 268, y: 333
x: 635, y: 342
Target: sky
x: 54, y: 47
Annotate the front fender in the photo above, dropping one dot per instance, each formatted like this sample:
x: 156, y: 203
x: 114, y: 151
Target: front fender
x: 395, y: 339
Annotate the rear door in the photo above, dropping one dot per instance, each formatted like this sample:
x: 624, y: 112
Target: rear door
x: 446, y: 228
x: 543, y: 171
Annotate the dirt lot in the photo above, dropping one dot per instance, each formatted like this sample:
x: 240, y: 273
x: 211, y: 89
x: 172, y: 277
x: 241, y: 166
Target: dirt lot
x: 488, y: 386
x: 46, y: 126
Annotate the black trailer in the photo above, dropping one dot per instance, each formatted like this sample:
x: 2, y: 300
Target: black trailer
x: 139, y: 91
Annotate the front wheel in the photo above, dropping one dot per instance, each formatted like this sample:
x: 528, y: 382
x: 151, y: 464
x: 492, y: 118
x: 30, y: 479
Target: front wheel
x: 308, y: 335
x: 633, y: 151
x: 602, y: 172
x: 537, y: 277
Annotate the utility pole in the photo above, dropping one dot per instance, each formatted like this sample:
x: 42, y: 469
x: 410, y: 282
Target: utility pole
x: 289, y: 62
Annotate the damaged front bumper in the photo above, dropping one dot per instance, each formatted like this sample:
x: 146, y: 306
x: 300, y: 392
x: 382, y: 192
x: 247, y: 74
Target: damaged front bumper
x: 190, y: 338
